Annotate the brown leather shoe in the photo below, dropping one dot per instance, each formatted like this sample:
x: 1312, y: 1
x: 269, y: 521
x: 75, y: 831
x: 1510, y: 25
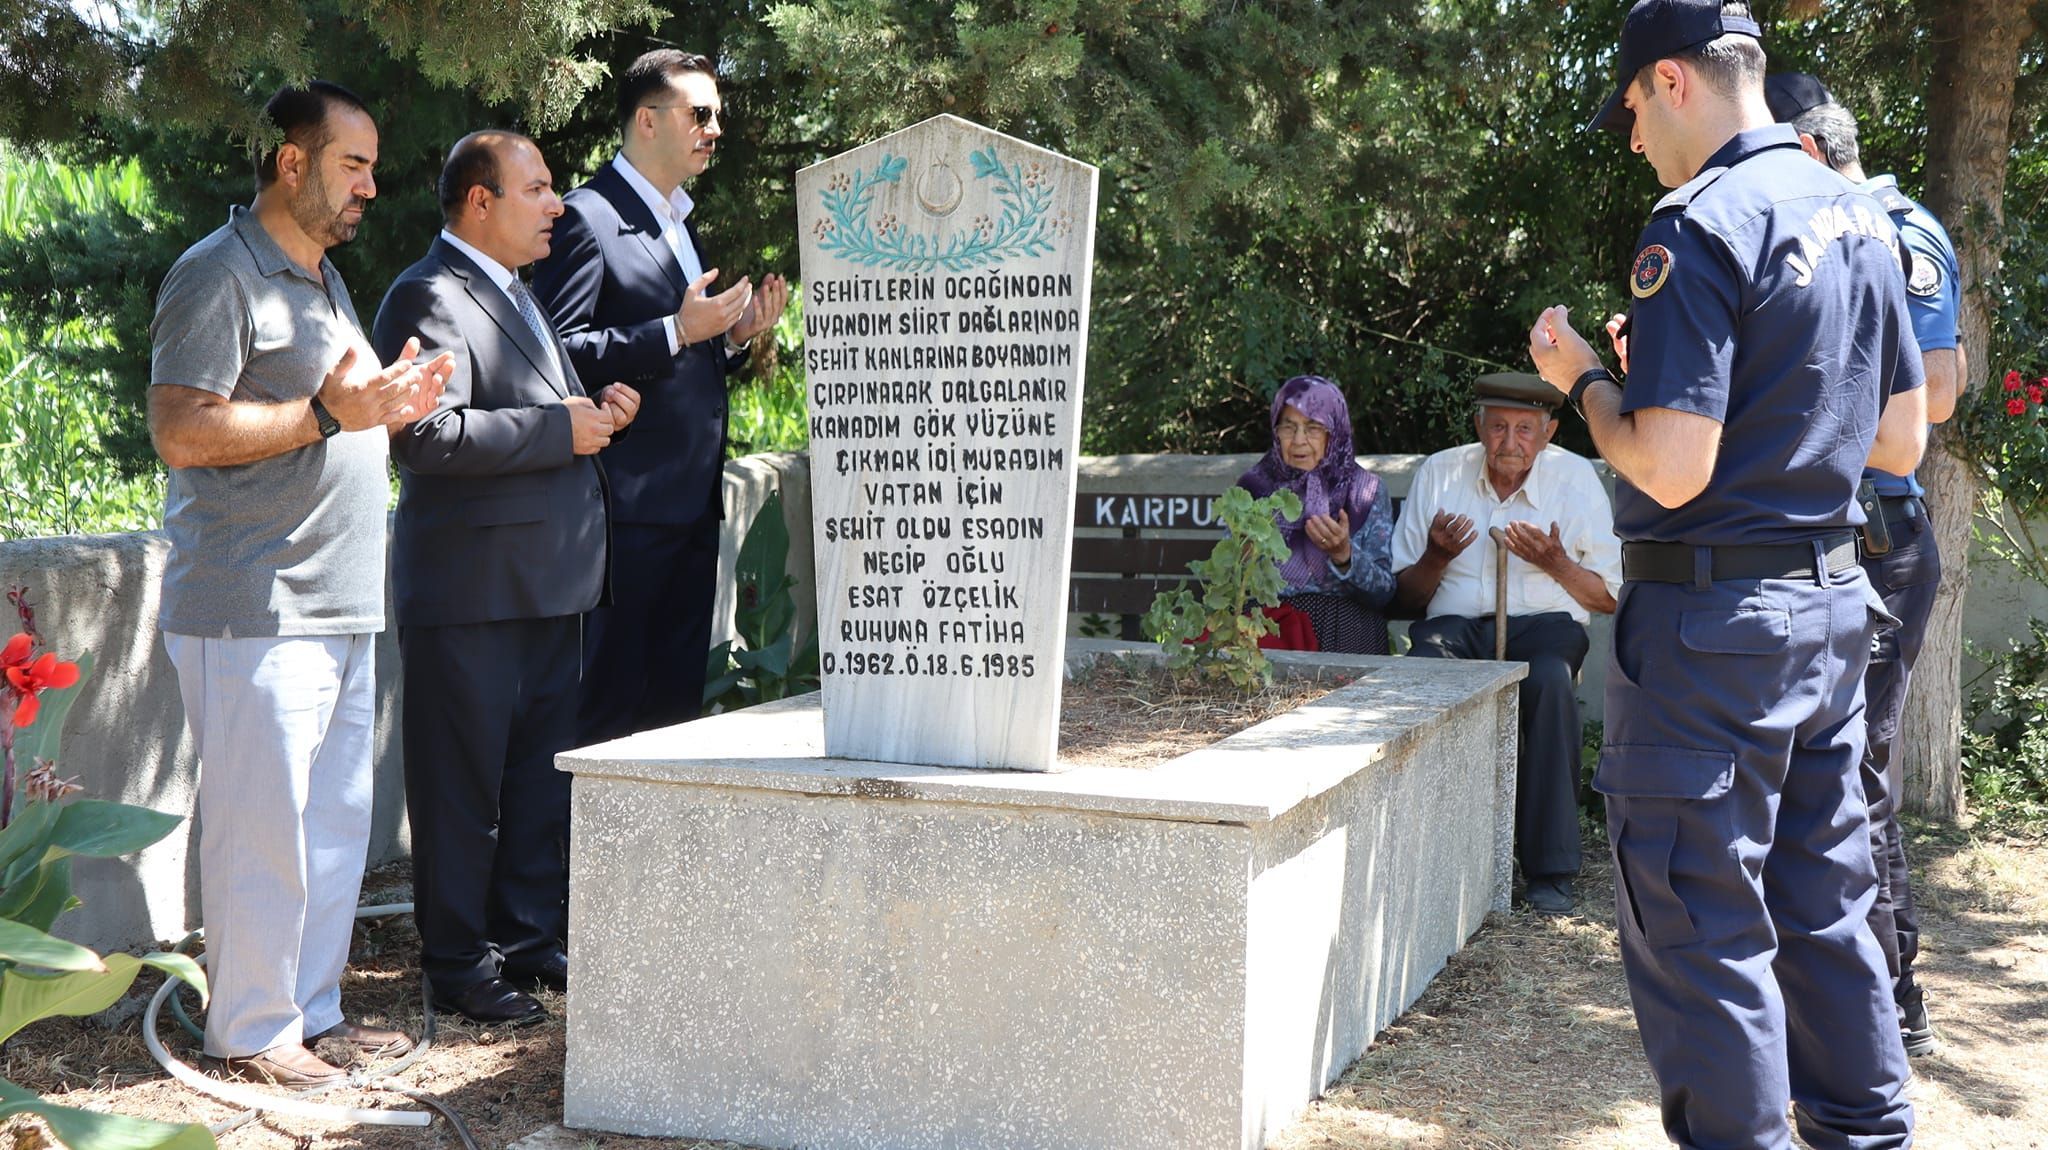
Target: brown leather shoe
x: 374, y: 1041
x: 291, y: 1065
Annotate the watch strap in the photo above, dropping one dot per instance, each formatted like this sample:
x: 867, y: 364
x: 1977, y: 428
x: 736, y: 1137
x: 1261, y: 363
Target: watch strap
x: 329, y: 426
x: 1587, y: 379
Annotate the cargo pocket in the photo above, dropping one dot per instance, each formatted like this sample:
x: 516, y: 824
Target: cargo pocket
x: 1759, y: 631
x: 1661, y: 791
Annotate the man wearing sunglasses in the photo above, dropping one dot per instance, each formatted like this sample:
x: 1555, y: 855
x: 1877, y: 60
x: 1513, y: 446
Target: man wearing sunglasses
x: 632, y: 294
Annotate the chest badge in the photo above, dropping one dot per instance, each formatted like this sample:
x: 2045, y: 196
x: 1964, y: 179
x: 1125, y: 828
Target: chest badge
x: 1652, y: 268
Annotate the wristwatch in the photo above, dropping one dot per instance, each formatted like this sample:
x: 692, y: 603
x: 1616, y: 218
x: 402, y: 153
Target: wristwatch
x: 1585, y: 380
x: 329, y: 426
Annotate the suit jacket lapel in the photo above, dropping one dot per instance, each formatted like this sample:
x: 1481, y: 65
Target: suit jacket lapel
x: 639, y: 219
x: 496, y: 304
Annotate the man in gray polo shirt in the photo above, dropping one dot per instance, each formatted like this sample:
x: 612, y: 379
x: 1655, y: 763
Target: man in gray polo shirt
x: 274, y: 416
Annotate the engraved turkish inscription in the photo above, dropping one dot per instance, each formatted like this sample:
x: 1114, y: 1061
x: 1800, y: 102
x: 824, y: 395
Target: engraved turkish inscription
x: 946, y: 276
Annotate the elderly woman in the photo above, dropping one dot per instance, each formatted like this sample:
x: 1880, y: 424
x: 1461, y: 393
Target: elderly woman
x: 1339, y: 568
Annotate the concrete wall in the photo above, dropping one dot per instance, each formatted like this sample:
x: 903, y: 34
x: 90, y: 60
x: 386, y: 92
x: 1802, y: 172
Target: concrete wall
x: 2000, y: 600
x: 125, y: 737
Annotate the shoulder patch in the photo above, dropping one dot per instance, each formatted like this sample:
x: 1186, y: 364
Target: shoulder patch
x: 1680, y: 197
x: 1923, y: 277
x: 1652, y: 268
x: 1893, y: 200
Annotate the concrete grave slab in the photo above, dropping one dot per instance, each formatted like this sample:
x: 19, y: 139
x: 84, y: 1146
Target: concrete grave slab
x: 782, y: 949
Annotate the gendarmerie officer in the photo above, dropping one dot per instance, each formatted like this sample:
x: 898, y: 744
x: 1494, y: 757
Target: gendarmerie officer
x: 1902, y: 559
x: 1770, y: 358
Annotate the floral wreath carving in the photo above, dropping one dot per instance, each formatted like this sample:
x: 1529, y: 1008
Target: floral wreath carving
x: 1024, y: 227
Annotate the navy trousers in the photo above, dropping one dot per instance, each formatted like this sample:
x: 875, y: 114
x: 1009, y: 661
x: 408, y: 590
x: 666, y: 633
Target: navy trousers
x: 487, y: 708
x: 1907, y: 578
x: 1743, y: 870
x: 1547, y: 761
x: 644, y: 653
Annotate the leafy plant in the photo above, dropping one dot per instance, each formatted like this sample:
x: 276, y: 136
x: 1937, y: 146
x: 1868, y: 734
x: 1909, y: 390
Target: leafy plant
x: 1217, y: 632
x: 765, y: 664
x: 41, y: 829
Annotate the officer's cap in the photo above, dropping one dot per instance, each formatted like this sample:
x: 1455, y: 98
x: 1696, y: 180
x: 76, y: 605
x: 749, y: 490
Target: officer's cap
x: 1516, y: 389
x: 1793, y: 94
x: 1656, y: 29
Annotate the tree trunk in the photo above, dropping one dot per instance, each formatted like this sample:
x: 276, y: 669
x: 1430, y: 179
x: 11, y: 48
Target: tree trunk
x: 1969, y: 137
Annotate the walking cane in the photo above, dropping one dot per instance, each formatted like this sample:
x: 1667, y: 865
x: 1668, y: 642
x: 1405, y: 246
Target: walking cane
x: 1500, y: 592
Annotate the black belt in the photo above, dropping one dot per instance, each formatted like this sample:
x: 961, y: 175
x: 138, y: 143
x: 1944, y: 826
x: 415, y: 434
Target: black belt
x: 1684, y: 563
x: 1901, y: 508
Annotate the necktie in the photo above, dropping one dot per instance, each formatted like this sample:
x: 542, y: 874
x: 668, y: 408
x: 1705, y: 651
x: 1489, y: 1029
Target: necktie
x: 530, y: 312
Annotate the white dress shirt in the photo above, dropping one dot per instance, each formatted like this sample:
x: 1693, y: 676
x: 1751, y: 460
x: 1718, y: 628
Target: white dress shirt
x: 503, y: 277
x: 1561, y: 488
x: 669, y: 211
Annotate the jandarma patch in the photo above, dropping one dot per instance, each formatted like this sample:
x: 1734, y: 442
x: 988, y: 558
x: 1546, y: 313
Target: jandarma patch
x: 1926, y: 278
x: 1653, y: 267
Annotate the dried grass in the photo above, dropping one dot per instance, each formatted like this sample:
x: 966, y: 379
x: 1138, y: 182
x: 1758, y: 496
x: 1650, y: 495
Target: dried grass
x: 1137, y: 714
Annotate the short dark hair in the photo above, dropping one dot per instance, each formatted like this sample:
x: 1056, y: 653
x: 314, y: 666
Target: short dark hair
x: 473, y: 162
x: 1833, y: 129
x: 301, y: 116
x: 651, y: 74
x: 1729, y: 64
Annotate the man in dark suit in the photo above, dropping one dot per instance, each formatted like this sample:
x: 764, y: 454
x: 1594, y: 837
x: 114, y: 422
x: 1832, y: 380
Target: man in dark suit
x: 630, y: 291
x: 500, y: 545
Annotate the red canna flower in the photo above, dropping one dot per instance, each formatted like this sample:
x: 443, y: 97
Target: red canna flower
x: 15, y: 654
x: 2015, y: 406
x: 2012, y: 380
x: 47, y: 673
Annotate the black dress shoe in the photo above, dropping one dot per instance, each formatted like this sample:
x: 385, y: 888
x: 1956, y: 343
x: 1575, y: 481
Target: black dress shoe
x: 551, y: 972
x: 493, y: 1002
x: 1550, y: 894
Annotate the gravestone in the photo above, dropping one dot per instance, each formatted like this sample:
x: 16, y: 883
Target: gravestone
x: 946, y: 279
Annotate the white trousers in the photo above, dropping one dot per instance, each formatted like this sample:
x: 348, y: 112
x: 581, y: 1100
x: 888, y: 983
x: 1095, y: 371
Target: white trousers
x: 285, y: 780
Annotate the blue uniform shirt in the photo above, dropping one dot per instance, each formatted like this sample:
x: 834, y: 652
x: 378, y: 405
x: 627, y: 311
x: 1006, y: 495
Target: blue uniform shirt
x: 1934, y: 293
x: 1768, y: 297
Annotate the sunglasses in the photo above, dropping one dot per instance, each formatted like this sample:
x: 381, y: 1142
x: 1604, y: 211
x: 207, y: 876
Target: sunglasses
x: 702, y: 113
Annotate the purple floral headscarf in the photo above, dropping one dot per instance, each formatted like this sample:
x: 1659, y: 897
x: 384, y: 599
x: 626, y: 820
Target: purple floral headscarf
x: 1337, y: 482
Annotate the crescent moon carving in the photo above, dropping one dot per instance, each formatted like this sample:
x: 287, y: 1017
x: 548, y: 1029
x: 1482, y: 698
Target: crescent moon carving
x: 939, y: 190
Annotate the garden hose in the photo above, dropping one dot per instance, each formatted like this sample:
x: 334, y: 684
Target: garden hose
x: 300, y: 1104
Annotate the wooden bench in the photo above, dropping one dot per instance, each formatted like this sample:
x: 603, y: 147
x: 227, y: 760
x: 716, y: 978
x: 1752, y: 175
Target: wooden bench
x: 1130, y: 546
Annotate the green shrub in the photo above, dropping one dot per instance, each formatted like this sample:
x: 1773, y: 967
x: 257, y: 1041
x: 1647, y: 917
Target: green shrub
x: 58, y: 475
x: 2005, y: 741
x: 765, y: 664
x: 768, y: 412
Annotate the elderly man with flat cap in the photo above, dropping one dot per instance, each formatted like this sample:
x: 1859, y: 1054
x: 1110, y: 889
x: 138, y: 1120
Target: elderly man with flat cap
x: 1563, y: 564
